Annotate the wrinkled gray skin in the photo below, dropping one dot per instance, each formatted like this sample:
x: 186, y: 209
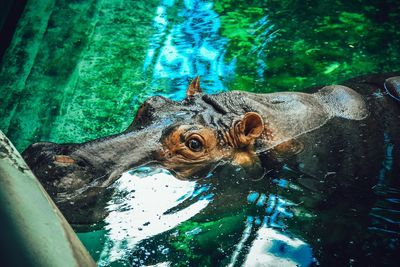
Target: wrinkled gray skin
x: 80, y: 189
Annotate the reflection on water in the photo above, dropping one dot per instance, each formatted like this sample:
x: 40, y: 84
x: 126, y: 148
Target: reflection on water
x: 149, y: 203
x: 386, y: 212
x: 264, y: 32
x: 275, y: 248
x: 192, y: 47
x: 139, y: 210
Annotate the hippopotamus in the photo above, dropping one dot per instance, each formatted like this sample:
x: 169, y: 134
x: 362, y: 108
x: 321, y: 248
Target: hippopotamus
x: 192, y: 136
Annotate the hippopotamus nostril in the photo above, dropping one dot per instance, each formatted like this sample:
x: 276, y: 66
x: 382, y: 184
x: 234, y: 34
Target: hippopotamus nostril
x: 39, y: 152
x: 63, y: 159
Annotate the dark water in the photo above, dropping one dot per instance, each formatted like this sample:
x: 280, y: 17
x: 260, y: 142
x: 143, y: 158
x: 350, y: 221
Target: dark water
x: 84, y: 71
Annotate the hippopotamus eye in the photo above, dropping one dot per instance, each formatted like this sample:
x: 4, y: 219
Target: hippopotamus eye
x: 194, y: 144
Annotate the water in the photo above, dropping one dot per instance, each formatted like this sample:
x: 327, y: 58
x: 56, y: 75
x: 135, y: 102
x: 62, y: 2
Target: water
x: 295, y: 213
x: 79, y: 71
x: 193, y: 47
x: 225, y: 214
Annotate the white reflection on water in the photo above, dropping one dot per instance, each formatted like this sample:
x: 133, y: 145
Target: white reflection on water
x: 138, y: 207
x: 273, y: 248
x: 145, y: 204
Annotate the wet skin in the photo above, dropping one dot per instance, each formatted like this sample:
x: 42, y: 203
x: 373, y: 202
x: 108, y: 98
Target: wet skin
x: 192, y: 136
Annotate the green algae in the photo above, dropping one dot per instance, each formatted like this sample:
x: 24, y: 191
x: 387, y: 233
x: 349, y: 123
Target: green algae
x: 201, y: 242
x: 310, y: 43
x: 72, y: 71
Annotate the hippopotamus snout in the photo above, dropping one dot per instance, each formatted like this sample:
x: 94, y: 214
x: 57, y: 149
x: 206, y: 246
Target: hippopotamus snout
x: 58, y: 169
x: 69, y: 179
x: 77, y: 176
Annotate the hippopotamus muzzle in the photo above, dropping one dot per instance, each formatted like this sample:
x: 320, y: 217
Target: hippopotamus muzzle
x: 77, y: 176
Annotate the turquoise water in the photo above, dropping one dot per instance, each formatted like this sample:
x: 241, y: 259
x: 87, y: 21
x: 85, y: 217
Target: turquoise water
x: 79, y: 70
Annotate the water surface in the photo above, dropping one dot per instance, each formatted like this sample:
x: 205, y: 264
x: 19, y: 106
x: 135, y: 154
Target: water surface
x: 79, y: 70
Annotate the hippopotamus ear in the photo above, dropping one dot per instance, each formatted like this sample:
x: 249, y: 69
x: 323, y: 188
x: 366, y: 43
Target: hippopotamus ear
x: 250, y: 127
x: 194, y: 87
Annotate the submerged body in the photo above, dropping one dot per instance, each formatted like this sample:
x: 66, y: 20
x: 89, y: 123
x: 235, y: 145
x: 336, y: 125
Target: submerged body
x: 191, y: 137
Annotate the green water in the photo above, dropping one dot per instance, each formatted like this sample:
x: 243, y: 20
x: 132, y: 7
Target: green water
x: 78, y: 70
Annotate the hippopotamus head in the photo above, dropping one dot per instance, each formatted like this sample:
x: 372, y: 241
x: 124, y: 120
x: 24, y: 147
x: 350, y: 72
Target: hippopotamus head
x: 187, y: 138
x: 190, y: 136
